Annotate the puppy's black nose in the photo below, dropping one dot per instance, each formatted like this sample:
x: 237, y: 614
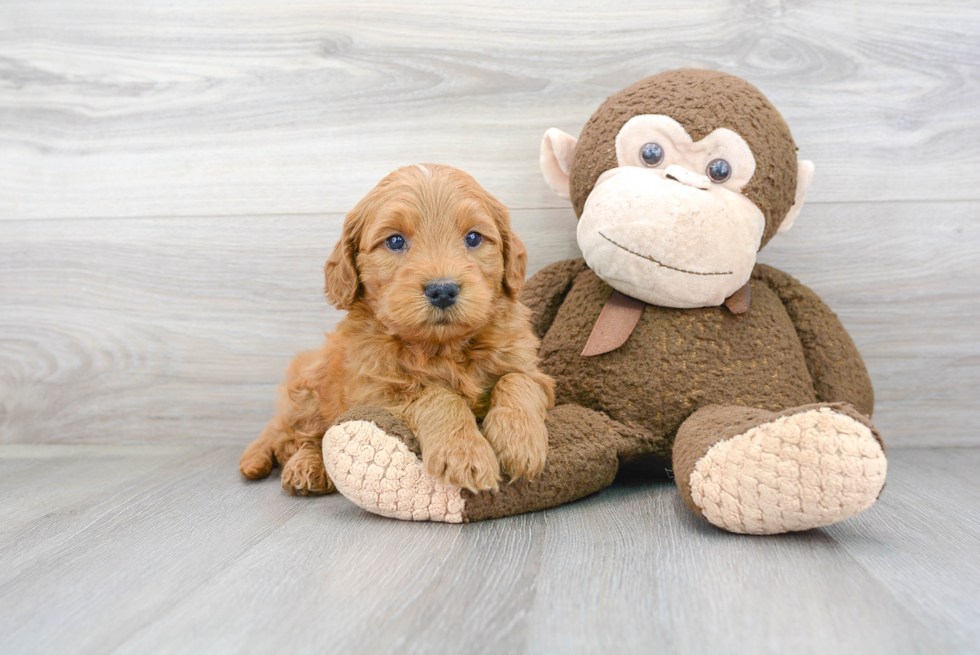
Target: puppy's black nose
x: 442, y: 293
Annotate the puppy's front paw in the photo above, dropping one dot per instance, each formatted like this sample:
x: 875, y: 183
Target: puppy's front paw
x: 520, y: 440
x: 463, y: 459
x: 305, y: 475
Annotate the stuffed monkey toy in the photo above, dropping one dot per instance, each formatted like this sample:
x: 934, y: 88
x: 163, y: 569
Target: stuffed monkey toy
x: 671, y: 348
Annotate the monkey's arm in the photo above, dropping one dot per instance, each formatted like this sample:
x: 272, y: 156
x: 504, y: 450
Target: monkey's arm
x: 544, y: 293
x: 833, y: 360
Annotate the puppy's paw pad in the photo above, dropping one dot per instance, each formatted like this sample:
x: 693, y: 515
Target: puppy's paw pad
x: 379, y: 473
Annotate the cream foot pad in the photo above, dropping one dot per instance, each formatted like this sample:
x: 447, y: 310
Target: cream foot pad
x: 379, y: 473
x: 797, y: 472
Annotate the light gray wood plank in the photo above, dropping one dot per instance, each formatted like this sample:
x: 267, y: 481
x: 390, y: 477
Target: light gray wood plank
x: 62, y: 478
x: 335, y: 578
x: 926, y: 527
x: 103, y: 569
x: 190, y: 559
x: 119, y: 108
x: 46, y: 509
x: 634, y: 569
x: 118, y: 331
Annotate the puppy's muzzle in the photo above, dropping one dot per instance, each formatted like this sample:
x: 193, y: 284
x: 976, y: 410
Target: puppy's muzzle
x: 442, y: 293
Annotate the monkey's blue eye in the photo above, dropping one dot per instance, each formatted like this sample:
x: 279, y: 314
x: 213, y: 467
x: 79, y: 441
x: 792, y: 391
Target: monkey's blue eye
x: 652, y: 154
x: 395, y: 242
x: 719, y: 170
x: 473, y: 239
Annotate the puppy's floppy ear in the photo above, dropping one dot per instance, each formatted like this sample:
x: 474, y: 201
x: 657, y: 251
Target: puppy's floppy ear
x: 515, y: 254
x: 341, y: 283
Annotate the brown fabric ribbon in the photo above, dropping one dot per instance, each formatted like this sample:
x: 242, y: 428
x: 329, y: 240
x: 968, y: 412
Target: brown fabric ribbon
x: 738, y: 302
x: 615, y: 324
x: 621, y: 313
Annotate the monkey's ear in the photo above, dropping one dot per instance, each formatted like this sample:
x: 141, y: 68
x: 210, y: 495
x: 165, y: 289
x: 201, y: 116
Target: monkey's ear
x: 804, y: 175
x: 341, y: 283
x: 557, y: 152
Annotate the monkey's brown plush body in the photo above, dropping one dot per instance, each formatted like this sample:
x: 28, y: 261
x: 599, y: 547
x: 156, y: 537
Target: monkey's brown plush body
x: 670, y: 347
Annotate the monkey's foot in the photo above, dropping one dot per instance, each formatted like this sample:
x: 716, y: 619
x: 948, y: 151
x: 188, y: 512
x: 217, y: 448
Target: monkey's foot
x: 751, y: 471
x: 374, y: 460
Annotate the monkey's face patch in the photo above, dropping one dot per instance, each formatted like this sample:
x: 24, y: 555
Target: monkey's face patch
x: 669, y: 225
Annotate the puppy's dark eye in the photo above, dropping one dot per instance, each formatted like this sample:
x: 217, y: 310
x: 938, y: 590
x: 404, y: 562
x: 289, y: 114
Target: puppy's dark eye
x: 652, y: 154
x: 719, y: 170
x: 473, y: 239
x: 395, y: 242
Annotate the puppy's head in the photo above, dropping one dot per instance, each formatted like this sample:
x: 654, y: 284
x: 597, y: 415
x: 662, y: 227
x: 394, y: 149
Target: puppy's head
x: 429, y: 252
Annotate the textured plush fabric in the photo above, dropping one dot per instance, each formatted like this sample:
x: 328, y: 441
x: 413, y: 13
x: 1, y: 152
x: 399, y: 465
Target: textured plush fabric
x: 702, y: 430
x: 368, y: 459
x: 379, y: 473
x: 684, y: 157
x: 557, y: 149
x: 832, y: 359
x: 758, y: 472
x: 582, y: 459
x: 804, y: 176
x: 701, y: 101
x: 545, y: 292
x: 387, y: 421
x: 677, y: 360
x: 669, y: 243
x: 716, y: 423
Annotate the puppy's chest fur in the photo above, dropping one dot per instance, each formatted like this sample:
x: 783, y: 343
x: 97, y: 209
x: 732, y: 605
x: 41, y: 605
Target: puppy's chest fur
x: 386, y: 371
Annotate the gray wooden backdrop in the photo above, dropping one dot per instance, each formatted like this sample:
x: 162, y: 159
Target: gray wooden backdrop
x: 172, y: 176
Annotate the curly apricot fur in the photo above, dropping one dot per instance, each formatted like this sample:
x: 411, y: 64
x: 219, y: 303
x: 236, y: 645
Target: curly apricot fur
x: 440, y: 369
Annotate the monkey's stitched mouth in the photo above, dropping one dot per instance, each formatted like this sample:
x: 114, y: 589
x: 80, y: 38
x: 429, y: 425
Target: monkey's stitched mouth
x: 660, y: 263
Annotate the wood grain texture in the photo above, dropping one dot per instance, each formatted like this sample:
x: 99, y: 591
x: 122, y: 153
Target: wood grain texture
x: 111, y: 108
x: 938, y: 498
x: 168, y: 551
x: 118, y: 331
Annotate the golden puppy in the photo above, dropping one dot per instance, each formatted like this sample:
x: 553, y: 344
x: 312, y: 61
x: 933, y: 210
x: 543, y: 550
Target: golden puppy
x: 430, y: 272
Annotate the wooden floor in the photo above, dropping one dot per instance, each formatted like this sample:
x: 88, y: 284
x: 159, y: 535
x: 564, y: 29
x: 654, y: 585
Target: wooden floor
x: 147, y: 549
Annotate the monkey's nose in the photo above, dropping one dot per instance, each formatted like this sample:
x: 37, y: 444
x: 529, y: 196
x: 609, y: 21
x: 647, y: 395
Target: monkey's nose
x: 684, y: 176
x: 442, y: 293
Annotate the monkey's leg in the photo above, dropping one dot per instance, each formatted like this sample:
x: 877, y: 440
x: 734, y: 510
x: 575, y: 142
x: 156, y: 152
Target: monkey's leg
x: 374, y: 459
x: 751, y: 471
